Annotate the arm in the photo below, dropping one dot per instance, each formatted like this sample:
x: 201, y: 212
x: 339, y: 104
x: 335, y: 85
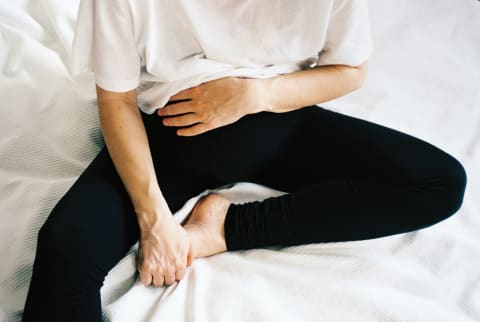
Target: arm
x: 127, y: 144
x: 308, y: 87
x: 164, y: 247
x: 223, y: 101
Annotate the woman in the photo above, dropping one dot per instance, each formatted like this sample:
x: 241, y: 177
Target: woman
x: 194, y: 95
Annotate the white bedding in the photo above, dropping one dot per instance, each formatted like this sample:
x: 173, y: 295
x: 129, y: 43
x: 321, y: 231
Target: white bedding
x: 424, y: 80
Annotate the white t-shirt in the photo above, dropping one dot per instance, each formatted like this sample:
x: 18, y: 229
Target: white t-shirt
x: 160, y: 47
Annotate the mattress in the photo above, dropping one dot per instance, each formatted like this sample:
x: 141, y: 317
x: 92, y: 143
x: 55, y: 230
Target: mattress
x: 423, y: 79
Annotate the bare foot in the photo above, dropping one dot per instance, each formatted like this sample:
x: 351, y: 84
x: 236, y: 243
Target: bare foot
x: 205, y: 225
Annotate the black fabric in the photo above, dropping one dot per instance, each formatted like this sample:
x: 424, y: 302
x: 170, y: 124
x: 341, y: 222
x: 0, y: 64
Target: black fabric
x: 345, y: 179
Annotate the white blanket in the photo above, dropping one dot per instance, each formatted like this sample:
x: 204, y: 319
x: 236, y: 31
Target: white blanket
x: 424, y: 80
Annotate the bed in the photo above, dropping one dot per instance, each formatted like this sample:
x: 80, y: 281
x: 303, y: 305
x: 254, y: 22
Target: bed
x: 423, y: 79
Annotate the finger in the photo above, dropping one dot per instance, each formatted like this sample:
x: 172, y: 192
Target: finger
x: 179, y: 273
x: 194, y: 129
x: 171, y: 102
x: 184, y: 94
x: 169, y: 275
x: 175, y: 109
x: 158, y: 277
x: 182, y: 120
x: 145, y: 277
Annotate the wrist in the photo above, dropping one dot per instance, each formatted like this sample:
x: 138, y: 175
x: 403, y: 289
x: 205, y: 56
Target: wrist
x: 261, y: 93
x: 152, y: 216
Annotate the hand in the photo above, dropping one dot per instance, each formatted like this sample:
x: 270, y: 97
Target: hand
x: 163, y: 254
x: 211, y: 105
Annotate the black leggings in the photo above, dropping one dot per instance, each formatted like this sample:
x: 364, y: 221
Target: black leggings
x: 347, y: 179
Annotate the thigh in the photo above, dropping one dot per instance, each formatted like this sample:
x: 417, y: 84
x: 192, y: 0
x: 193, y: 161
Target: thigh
x: 231, y: 153
x: 329, y: 145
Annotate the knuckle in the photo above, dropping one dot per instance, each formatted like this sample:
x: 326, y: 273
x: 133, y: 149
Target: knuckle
x: 179, y: 264
x: 180, y: 275
x: 173, y: 269
x: 148, y: 266
x: 166, y: 271
x: 159, y: 267
x: 179, y: 272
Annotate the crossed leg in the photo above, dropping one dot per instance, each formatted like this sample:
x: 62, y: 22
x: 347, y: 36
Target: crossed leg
x: 346, y: 178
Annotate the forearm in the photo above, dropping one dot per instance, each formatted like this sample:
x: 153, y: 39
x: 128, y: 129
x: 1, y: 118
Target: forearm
x: 127, y: 144
x: 292, y: 91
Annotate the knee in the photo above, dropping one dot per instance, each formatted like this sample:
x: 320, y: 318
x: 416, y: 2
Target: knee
x: 451, y: 187
x: 456, y: 182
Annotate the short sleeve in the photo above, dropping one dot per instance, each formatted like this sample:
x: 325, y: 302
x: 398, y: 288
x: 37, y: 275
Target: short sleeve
x: 104, y: 43
x: 348, y: 39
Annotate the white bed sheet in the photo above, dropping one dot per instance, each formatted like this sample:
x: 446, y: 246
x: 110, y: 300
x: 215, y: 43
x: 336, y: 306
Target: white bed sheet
x: 424, y: 80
